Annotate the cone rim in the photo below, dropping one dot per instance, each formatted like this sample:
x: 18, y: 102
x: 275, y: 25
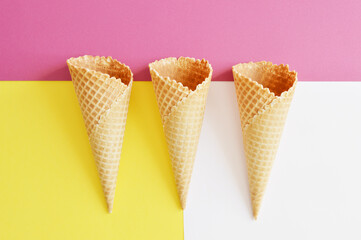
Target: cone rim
x: 169, y: 60
x: 272, y: 66
x: 73, y: 60
x: 276, y: 98
x: 198, y: 88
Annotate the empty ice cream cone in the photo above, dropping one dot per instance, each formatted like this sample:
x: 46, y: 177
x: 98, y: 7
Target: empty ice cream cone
x: 181, y: 87
x: 103, y: 87
x: 264, y: 94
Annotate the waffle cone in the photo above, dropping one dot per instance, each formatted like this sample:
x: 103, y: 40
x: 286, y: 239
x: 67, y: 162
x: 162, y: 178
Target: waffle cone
x: 181, y: 88
x: 103, y: 87
x: 264, y: 94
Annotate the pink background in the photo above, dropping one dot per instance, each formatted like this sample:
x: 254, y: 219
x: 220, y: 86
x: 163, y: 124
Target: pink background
x: 320, y: 39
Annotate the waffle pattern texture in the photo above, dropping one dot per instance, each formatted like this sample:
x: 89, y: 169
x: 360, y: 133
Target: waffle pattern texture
x: 103, y: 87
x: 264, y: 94
x: 181, y: 87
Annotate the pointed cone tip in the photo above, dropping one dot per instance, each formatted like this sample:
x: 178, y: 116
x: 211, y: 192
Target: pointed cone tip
x: 182, y: 202
x: 255, y: 213
x: 110, y: 207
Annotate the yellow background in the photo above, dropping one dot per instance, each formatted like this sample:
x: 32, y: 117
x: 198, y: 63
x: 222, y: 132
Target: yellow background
x: 49, y: 187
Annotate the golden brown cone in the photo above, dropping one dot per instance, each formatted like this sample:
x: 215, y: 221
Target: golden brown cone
x: 103, y: 87
x: 181, y: 87
x: 264, y: 94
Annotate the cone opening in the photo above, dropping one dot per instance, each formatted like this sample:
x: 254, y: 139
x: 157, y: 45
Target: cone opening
x: 104, y: 65
x: 187, y: 71
x: 277, y: 78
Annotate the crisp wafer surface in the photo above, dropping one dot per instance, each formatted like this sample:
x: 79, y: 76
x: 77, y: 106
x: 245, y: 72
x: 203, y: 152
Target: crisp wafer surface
x: 264, y: 94
x: 103, y: 86
x: 181, y: 87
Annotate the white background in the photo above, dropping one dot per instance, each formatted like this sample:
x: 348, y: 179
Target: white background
x: 314, y: 190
